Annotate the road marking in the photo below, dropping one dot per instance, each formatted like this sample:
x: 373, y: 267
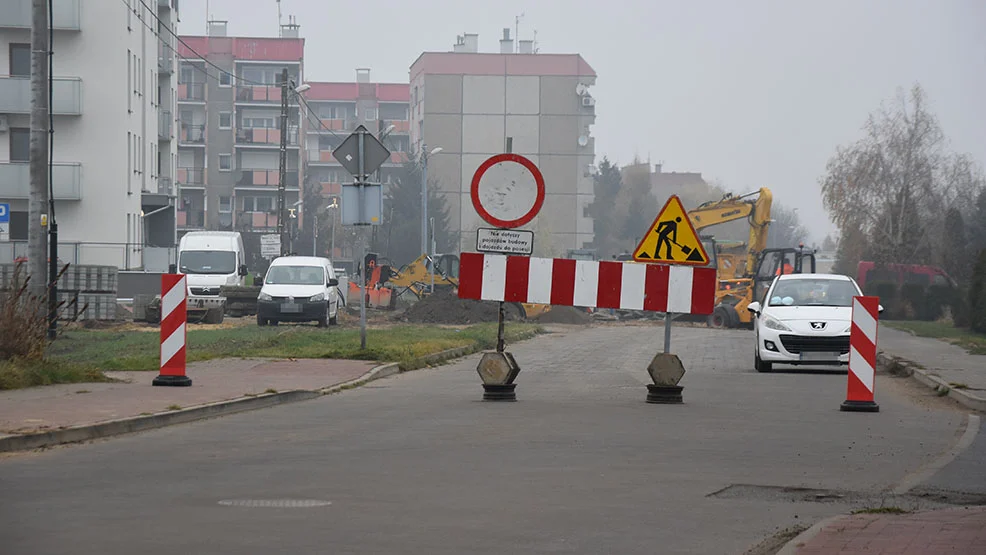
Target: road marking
x: 924, y: 474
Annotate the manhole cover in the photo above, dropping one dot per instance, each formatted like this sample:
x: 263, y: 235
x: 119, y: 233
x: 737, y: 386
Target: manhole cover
x: 275, y: 503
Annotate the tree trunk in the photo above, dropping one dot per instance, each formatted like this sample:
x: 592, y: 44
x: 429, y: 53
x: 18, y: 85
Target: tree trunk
x: 37, y: 246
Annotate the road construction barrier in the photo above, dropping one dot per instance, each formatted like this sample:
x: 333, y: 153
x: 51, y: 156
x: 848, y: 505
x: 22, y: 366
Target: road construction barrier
x: 587, y: 283
x: 862, y: 355
x: 174, y: 301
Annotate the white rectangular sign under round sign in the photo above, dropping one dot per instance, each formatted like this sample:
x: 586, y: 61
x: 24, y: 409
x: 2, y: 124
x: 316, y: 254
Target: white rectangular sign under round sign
x: 505, y: 241
x: 270, y: 245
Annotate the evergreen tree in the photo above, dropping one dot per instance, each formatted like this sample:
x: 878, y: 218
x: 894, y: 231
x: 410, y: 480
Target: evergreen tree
x: 399, y: 237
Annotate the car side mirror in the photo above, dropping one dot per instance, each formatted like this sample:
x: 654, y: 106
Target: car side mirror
x: 243, y: 270
x: 333, y: 282
x: 879, y: 308
x: 754, y: 308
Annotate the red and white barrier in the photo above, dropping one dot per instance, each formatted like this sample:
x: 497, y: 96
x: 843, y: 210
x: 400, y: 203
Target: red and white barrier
x: 862, y: 355
x: 587, y: 283
x: 174, y: 296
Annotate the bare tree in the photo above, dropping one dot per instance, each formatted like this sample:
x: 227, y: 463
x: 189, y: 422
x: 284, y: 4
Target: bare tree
x: 37, y: 244
x: 888, y: 184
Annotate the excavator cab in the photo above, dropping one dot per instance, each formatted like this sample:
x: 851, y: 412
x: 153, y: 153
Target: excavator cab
x: 774, y: 262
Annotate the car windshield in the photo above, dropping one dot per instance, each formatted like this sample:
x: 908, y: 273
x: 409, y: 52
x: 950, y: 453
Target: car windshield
x: 207, y: 262
x: 813, y: 292
x: 295, y: 275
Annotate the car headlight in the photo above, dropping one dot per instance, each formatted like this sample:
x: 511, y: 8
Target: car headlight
x: 265, y: 297
x: 848, y: 329
x: 317, y: 298
x: 775, y: 324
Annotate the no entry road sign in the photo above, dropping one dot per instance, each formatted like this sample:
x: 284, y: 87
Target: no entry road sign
x: 507, y: 190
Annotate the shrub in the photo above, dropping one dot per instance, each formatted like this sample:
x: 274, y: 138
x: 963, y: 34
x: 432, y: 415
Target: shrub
x: 23, y: 322
x: 893, y: 309
x: 977, y: 295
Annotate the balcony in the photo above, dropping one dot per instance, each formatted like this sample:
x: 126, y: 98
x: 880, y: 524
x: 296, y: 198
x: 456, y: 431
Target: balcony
x: 15, y: 178
x: 330, y: 124
x: 16, y: 14
x: 398, y: 157
x: 320, y: 157
x: 246, y: 93
x: 401, y: 126
x: 191, y: 219
x: 165, y: 186
x: 193, y: 135
x: 191, y: 92
x: 266, y: 178
x: 264, y: 136
x: 256, y: 221
x: 15, y: 95
x: 330, y: 189
x: 165, y: 59
x: 190, y: 177
x: 164, y: 120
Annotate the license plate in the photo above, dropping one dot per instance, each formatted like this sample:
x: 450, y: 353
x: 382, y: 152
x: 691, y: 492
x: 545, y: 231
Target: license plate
x: 290, y: 307
x: 827, y: 356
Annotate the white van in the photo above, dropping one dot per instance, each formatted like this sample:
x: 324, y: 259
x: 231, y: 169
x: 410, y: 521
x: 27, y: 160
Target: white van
x: 209, y: 260
x: 299, y: 289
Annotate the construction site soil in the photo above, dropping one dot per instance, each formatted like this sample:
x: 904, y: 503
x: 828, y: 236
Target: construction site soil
x: 447, y: 308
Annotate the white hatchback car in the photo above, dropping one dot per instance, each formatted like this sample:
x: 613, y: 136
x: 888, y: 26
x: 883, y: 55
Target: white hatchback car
x: 804, y: 319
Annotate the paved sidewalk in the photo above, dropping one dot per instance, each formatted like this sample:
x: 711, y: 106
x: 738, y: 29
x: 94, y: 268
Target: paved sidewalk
x: 956, y: 531
x: 59, y: 406
x: 953, y: 364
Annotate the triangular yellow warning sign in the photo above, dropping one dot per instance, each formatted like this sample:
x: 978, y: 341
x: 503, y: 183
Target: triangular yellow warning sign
x: 671, y: 239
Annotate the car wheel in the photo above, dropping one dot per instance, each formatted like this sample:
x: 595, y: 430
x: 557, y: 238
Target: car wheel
x: 215, y: 316
x: 324, y: 319
x: 334, y: 320
x: 760, y: 365
x: 261, y: 321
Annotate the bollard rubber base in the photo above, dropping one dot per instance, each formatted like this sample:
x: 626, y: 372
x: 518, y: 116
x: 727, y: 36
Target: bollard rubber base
x: 664, y: 394
x: 173, y: 381
x: 859, y: 406
x: 496, y: 392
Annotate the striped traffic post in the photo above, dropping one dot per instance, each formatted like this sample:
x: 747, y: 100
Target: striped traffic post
x: 174, y: 295
x: 862, y: 355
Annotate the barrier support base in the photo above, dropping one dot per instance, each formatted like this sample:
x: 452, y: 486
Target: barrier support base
x: 173, y: 381
x: 859, y: 406
x: 498, y: 392
x: 664, y: 394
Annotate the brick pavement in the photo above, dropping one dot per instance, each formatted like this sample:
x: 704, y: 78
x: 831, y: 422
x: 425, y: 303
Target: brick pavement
x: 959, y: 531
x: 59, y: 406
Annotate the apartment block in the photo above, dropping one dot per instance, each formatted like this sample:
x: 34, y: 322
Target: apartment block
x: 337, y: 109
x: 113, y: 151
x: 474, y: 105
x: 229, y: 130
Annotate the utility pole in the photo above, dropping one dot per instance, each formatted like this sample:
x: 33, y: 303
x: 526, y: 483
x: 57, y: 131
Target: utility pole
x: 283, y: 170
x: 37, y: 244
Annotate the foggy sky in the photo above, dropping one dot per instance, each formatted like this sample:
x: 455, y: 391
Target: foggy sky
x: 751, y: 93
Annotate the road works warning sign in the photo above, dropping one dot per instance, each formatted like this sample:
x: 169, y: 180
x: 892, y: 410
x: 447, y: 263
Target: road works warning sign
x: 671, y: 239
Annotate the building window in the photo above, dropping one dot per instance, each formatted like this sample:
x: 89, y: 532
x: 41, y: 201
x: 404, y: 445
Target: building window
x: 225, y: 79
x: 20, y: 59
x: 225, y: 162
x: 225, y: 120
x: 258, y: 123
x: 370, y: 114
x: 225, y: 204
x: 129, y: 78
x: 258, y: 204
x: 20, y: 144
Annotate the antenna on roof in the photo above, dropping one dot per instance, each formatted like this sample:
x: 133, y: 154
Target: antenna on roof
x: 517, y: 30
x: 278, y: 16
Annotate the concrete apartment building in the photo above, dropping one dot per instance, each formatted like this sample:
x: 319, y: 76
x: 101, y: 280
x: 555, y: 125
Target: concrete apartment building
x: 337, y: 109
x: 474, y: 105
x: 113, y: 151
x: 229, y: 106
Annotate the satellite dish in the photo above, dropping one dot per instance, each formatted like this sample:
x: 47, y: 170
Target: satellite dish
x: 583, y: 140
x: 580, y: 89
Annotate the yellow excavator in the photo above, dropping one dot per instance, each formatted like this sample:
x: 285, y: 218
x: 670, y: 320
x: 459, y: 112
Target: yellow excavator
x: 755, y: 208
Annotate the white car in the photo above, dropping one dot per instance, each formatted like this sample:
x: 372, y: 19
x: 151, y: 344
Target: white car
x: 299, y: 289
x: 804, y: 319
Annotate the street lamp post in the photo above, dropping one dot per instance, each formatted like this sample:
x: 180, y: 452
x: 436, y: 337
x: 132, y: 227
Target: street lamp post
x: 334, y: 207
x: 424, y: 195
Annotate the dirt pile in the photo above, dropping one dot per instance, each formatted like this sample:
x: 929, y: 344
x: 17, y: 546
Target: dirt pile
x: 564, y: 315
x: 447, y: 308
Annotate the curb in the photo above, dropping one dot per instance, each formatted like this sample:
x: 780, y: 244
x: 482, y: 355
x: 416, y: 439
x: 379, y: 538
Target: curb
x: 792, y: 546
x: 89, y: 432
x: 902, y: 367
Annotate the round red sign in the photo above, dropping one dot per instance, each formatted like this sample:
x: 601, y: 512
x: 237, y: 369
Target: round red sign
x: 507, y: 190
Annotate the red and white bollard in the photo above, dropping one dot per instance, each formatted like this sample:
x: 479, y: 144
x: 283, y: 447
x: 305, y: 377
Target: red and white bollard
x: 174, y: 296
x: 862, y: 355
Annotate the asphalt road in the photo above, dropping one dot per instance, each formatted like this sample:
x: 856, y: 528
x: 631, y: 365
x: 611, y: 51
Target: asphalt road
x: 418, y: 464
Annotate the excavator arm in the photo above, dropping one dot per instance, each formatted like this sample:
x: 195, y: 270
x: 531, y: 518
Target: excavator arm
x: 731, y: 208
